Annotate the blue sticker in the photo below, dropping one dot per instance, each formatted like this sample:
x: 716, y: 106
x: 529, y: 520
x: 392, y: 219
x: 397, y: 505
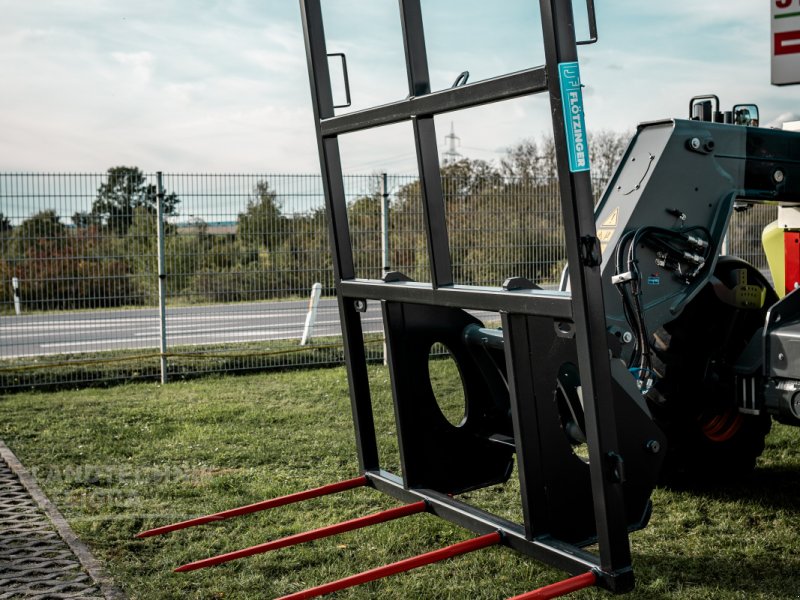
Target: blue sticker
x: 572, y: 98
x: 654, y: 280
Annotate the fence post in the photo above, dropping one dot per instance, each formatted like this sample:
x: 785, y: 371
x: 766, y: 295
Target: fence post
x: 385, y: 238
x: 311, y: 317
x: 162, y: 278
x: 385, y: 223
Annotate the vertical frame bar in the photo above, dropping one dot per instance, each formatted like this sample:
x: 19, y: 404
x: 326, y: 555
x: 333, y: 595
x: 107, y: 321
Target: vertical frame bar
x: 526, y: 431
x: 430, y: 175
x: 588, y: 306
x: 341, y: 245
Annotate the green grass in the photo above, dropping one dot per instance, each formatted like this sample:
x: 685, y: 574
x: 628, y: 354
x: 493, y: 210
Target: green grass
x: 68, y: 371
x: 122, y: 459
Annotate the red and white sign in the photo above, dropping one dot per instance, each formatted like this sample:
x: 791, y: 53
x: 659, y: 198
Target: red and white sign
x: 785, y: 41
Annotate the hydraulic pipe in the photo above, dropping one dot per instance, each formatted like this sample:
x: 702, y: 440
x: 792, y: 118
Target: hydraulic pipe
x: 482, y: 336
x: 307, y: 536
x: 561, y: 588
x: 324, y: 490
x: 490, y: 539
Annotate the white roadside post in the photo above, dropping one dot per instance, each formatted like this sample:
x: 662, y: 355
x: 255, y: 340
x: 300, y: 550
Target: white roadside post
x: 15, y: 285
x: 311, y: 317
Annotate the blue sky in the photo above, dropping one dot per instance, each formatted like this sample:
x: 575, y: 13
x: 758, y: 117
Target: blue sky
x: 222, y: 86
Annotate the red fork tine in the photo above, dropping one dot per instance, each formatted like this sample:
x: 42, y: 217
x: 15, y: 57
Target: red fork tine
x: 324, y: 490
x: 307, y: 536
x: 490, y: 539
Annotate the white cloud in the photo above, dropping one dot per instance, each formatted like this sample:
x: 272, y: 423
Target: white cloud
x: 783, y: 118
x: 281, y: 62
x: 140, y: 64
x: 170, y: 85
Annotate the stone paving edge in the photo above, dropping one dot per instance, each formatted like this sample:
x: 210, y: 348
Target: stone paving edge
x: 96, y: 570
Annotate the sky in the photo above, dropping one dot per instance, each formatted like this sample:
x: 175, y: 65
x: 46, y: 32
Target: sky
x: 219, y: 86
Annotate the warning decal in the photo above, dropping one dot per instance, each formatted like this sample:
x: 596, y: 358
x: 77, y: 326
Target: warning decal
x: 612, y: 219
x: 604, y: 234
x: 607, y: 228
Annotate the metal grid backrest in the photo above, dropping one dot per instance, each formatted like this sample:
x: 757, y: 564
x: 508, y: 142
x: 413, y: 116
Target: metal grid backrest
x: 583, y: 308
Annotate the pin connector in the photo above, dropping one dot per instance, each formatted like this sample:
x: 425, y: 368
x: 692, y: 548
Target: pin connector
x: 693, y: 258
x: 622, y: 278
x: 697, y: 242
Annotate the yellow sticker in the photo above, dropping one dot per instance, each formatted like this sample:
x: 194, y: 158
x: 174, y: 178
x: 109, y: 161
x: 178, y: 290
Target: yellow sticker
x: 612, y: 219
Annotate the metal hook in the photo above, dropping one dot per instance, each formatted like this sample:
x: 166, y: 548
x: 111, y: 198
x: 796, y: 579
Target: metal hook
x: 461, y: 79
x: 592, y: 24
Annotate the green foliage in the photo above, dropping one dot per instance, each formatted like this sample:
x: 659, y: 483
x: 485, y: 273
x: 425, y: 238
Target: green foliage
x: 271, y: 256
x: 502, y: 222
x: 262, y: 224
x: 364, y: 217
x: 42, y: 228
x: 6, y: 288
x: 62, y: 268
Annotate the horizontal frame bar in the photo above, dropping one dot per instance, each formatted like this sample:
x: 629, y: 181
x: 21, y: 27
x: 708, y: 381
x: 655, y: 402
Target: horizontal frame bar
x: 505, y: 87
x: 555, y: 553
x: 555, y: 304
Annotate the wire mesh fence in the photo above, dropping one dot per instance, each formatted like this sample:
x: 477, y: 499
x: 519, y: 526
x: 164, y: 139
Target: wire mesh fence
x: 126, y: 275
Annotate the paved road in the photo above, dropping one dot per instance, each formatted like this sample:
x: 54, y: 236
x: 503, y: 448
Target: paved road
x: 92, y: 331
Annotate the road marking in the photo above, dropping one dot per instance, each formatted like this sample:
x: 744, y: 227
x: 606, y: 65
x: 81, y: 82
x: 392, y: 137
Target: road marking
x: 293, y: 330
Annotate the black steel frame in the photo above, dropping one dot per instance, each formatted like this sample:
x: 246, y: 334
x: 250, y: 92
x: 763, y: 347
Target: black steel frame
x: 583, y: 308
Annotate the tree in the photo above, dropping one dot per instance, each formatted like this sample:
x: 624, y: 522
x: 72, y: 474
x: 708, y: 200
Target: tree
x: 41, y: 230
x: 125, y: 190
x: 66, y: 268
x: 364, y: 217
x: 6, y: 230
x: 531, y: 161
x: 261, y: 225
x: 469, y: 177
x: 605, y: 151
x: 84, y: 220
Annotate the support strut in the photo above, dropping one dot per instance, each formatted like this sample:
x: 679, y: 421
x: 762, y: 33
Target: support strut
x: 324, y: 490
x: 307, y: 536
x: 484, y: 541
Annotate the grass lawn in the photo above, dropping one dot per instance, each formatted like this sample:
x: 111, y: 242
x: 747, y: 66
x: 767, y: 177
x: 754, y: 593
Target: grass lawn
x: 122, y: 459
x: 60, y: 371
